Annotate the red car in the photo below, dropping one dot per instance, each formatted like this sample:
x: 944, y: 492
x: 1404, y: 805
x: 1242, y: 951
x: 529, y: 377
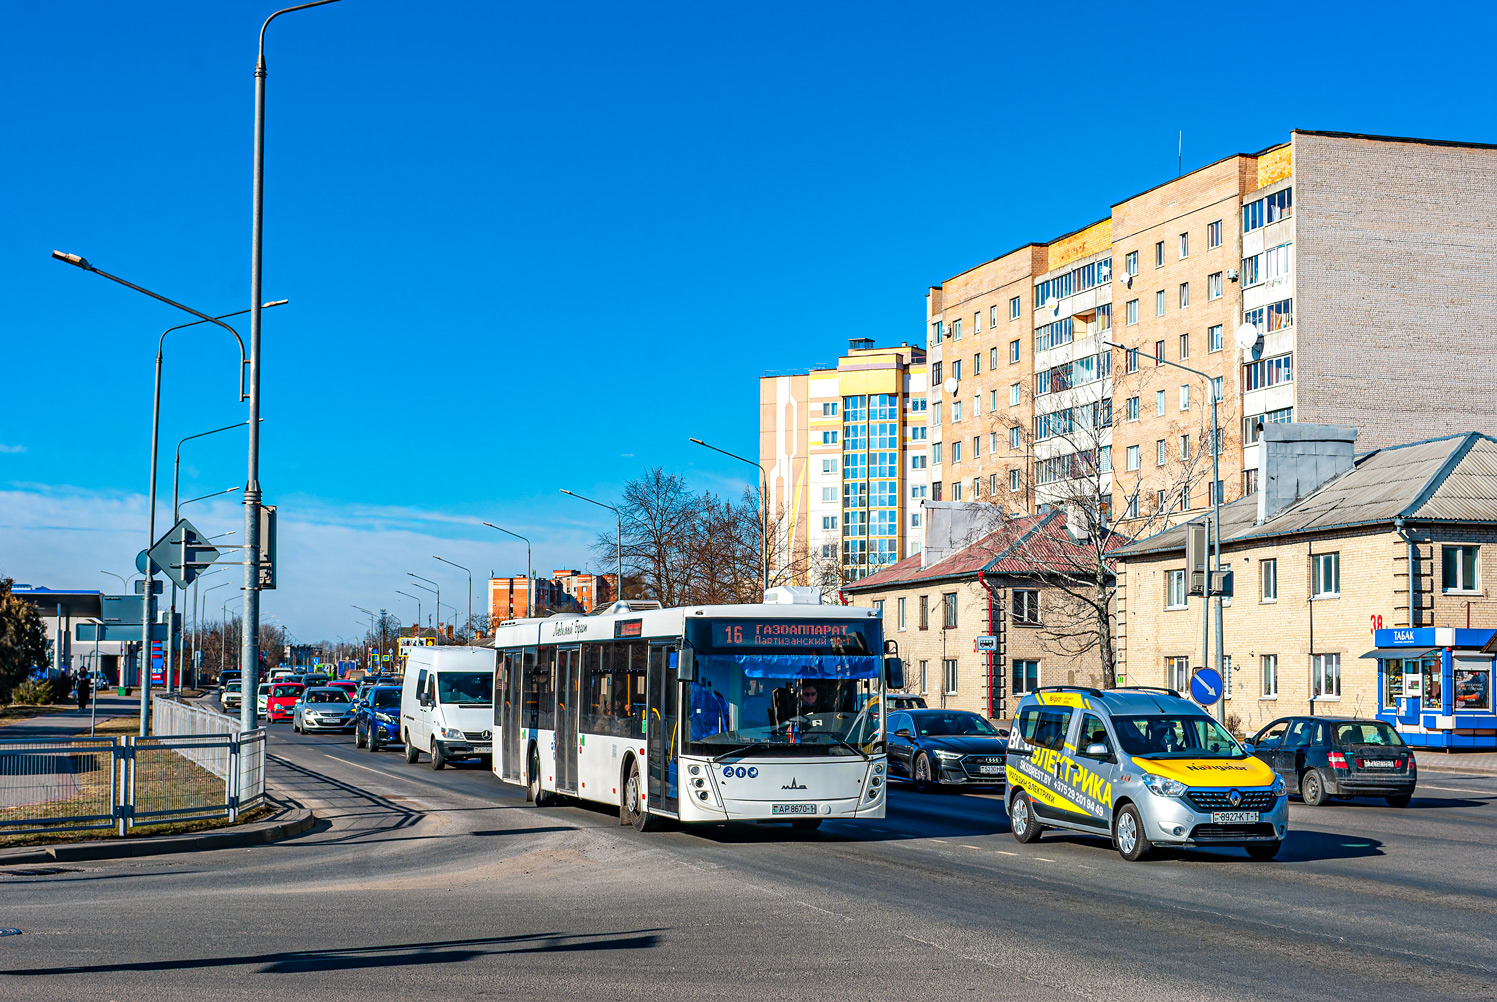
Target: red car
x: 348, y: 687
x: 282, y: 700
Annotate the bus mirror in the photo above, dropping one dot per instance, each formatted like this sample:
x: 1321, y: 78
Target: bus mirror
x: 686, y: 665
x: 894, y: 673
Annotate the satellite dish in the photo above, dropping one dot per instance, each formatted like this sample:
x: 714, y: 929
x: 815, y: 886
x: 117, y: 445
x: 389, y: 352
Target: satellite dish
x: 1052, y: 304
x: 950, y: 385
x: 1246, y: 336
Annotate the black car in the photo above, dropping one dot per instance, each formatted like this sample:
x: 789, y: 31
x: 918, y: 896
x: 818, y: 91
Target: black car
x: 1323, y: 757
x: 934, y: 748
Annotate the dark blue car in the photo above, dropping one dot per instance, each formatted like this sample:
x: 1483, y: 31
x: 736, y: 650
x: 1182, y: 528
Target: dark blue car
x: 378, y: 718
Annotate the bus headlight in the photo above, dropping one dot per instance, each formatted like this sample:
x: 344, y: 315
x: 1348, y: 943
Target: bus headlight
x: 878, y: 768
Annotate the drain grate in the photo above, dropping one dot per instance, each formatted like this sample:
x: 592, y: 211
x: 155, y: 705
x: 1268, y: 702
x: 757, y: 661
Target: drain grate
x: 41, y: 871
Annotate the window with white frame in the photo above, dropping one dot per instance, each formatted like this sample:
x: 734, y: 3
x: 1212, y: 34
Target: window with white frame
x: 1184, y: 246
x: 829, y: 521
x: 1131, y: 509
x: 1325, y: 575
x: 1159, y: 254
x: 1214, y: 338
x: 948, y: 676
x: 1159, y: 403
x: 1184, y: 294
x: 1159, y: 303
x: 1159, y: 452
x: 1130, y: 409
x: 1014, y: 391
x: 915, y: 520
x: 1213, y: 235
x: 1325, y: 676
x: 899, y: 609
x: 1185, y: 396
x: 1130, y: 314
x: 1174, y: 591
x: 1130, y: 263
x: 1013, y: 351
x: 1177, y: 673
x: 1270, y: 680
x: 1458, y: 569
x: 1026, y: 606
x: 828, y: 466
x: 1268, y: 577
x: 1026, y: 676
x: 1013, y: 309
x: 1132, y: 459
x: 924, y: 672
x: 1214, y: 286
x: 1013, y: 480
x: 1013, y: 437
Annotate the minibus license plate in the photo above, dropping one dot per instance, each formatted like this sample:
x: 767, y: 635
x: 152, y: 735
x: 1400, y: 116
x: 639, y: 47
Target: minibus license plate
x: 1234, y: 817
x: 483, y: 749
x: 793, y: 809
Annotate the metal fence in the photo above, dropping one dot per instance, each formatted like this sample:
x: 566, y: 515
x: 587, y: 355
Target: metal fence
x: 197, y: 767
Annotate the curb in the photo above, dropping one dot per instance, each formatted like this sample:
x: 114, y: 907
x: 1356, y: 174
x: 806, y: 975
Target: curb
x: 292, y: 822
x: 1453, y: 768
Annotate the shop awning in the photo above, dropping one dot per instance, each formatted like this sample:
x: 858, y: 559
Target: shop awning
x: 1400, y: 652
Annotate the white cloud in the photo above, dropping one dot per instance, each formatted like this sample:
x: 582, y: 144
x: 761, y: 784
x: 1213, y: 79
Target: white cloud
x: 330, y: 556
x: 12, y: 449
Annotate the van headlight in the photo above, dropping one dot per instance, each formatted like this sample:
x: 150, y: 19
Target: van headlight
x: 1163, y: 786
x: 452, y: 734
x: 1278, y: 786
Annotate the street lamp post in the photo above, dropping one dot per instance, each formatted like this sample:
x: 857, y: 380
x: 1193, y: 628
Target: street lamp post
x: 437, y: 590
x: 370, y: 614
x: 620, y: 518
x: 177, y: 507
x: 148, y: 604
x: 196, y: 638
x: 413, y: 598
x: 763, y: 505
x: 1216, y: 532
x: 529, y: 576
x: 250, y: 640
x: 470, y: 588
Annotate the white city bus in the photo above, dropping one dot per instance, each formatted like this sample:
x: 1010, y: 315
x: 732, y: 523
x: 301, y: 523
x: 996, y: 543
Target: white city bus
x: 704, y: 714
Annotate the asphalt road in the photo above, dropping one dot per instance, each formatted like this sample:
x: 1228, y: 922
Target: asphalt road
x: 422, y: 884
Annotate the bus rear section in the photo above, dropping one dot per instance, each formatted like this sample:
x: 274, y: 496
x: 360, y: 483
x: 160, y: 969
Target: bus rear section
x: 712, y: 714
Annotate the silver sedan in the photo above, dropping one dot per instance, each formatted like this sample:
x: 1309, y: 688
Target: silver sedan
x: 323, y: 708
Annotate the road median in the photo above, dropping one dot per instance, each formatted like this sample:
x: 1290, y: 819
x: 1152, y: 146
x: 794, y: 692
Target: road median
x: 288, y: 821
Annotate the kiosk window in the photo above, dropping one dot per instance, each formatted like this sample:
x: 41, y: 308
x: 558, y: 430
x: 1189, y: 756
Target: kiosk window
x: 1431, y: 684
x: 1392, y: 684
x: 1473, y: 688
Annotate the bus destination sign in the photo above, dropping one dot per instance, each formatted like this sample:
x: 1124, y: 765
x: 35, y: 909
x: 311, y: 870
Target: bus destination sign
x: 760, y: 633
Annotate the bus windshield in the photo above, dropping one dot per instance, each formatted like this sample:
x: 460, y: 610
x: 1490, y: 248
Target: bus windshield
x: 790, y: 687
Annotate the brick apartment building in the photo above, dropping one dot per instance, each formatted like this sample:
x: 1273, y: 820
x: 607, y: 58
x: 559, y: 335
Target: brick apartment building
x: 1359, y: 263
x: 563, y: 591
x: 845, y: 450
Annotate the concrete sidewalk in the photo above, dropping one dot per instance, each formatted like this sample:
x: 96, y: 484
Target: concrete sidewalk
x: 1478, y: 762
x: 69, y: 722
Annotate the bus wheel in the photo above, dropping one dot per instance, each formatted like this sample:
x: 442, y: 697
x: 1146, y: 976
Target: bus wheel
x: 642, y: 820
x: 533, y: 791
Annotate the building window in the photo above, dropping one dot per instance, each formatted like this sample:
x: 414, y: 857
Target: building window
x: 1213, y: 234
x: 828, y: 466
x: 1013, y: 480
x: 1184, y: 294
x: 992, y: 483
x: 1159, y: 254
x: 1161, y: 499
x: 1130, y: 263
x: 829, y: 410
x: 1249, y: 482
x: 1268, y: 576
x: 993, y: 316
x: 1325, y: 676
x: 917, y: 405
x: 956, y: 329
x: 1216, y: 396
x: 1131, y: 509
x: 829, y: 521
x: 924, y: 612
x: 1214, y: 286
x: 1013, y: 437
x: 992, y: 358
x: 829, y: 494
x: 935, y: 455
x: 1270, y: 209
x: 956, y: 411
x: 899, y: 612
x: 1130, y: 358
x: 935, y: 491
x: 1174, y: 592
x: 956, y: 453
x: 1159, y: 403
x: 917, y: 462
x: 956, y: 491
x: 1185, y: 447
x: 1184, y: 347
x: 976, y: 323
x: 1013, y: 309
x: 1176, y: 672
x: 948, y: 676
x: 1184, y: 246
x: 1214, y: 338
x: 948, y: 611
x: 1325, y: 575
x: 976, y: 446
x: 1013, y: 394
x: 1185, y: 396
x: 1159, y: 303
x: 1132, y: 457
x: 828, y: 550
x: 1013, y: 351
x: 1026, y: 607
x: 1130, y: 312
x: 915, y: 520
x: 1159, y: 453
x: 1215, y: 494
x: 918, y: 432
x: 1130, y: 409
x: 956, y: 370
x: 924, y: 672
x: 1458, y: 568
x: 1270, y: 688
x: 829, y: 438
x: 1026, y: 677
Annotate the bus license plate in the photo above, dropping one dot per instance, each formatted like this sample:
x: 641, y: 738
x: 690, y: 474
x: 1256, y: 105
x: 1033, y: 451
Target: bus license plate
x: 1234, y: 817
x: 793, y: 809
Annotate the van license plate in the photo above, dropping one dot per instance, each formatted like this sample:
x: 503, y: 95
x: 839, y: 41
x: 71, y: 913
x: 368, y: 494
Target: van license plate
x: 792, y: 809
x: 483, y: 749
x: 1234, y: 817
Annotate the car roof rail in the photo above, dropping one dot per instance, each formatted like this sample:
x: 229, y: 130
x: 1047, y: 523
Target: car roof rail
x: 1151, y: 688
x: 1068, y: 688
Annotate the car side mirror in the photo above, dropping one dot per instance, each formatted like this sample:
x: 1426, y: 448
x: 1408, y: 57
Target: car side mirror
x: 1249, y: 747
x: 894, y: 673
x: 1097, y: 750
x: 903, y: 732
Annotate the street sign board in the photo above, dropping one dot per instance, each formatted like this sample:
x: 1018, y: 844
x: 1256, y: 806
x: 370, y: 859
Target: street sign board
x: 987, y: 643
x: 183, y: 553
x: 1206, y: 686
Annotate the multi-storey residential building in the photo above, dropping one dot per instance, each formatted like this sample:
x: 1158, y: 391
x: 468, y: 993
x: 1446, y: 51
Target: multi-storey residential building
x: 1325, y: 279
x: 845, y: 450
x: 563, y: 591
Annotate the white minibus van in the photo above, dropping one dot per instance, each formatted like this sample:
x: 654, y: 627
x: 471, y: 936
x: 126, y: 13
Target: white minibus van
x: 446, y: 704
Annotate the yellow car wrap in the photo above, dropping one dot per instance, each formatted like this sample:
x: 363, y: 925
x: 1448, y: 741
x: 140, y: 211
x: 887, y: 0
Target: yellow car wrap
x: 1058, y: 780
x: 1248, y: 771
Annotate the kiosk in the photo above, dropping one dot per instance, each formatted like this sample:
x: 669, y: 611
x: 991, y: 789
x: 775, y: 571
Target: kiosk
x: 1435, y: 685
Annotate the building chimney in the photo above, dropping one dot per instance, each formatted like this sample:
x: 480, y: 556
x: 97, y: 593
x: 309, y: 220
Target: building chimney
x: 1295, y: 459
x: 950, y: 525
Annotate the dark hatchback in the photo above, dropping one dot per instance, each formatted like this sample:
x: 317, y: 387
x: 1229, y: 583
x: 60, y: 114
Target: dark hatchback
x: 1324, y: 757
x: 935, y: 748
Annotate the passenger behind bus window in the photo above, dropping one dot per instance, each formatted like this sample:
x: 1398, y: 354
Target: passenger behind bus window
x: 709, y: 711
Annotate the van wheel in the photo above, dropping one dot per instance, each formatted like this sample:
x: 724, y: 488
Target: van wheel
x: 1128, y: 834
x: 642, y: 820
x: 1021, y: 819
x: 412, y: 755
x: 533, y: 791
x: 1312, y: 788
x: 438, y: 760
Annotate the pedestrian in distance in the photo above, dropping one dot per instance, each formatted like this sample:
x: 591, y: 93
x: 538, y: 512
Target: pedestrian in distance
x: 85, y: 691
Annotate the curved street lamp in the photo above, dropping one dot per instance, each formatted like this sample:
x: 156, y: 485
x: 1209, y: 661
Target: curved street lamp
x: 529, y: 575
x: 617, y: 515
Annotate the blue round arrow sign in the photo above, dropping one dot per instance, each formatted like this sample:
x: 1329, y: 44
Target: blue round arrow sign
x: 1206, y: 686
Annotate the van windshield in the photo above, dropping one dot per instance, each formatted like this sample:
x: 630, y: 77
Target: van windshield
x: 465, y: 688
x: 1176, y: 737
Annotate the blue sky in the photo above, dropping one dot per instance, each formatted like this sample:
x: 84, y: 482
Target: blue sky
x: 539, y: 246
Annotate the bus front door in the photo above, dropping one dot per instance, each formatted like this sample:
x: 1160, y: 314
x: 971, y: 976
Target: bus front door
x: 568, y: 682
x: 510, y: 723
x: 662, y: 745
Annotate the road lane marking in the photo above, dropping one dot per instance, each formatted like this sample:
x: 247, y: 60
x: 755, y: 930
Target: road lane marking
x: 1005, y: 852
x: 378, y: 772
x: 1453, y: 789
x: 1042, y: 859
x: 966, y: 846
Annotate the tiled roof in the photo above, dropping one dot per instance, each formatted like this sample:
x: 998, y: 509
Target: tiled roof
x: 1452, y: 478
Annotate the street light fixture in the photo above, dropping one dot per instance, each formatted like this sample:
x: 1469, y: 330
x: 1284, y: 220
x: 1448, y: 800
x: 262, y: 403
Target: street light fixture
x: 418, y: 607
x: 763, y: 504
x: 529, y: 575
x: 436, y: 590
x: 470, y: 588
x: 620, y: 518
x: 148, y: 603
x: 1216, y: 525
